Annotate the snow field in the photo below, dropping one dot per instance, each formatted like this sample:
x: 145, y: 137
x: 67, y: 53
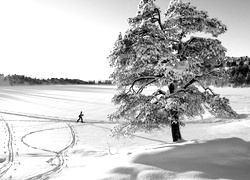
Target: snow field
x: 40, y: 139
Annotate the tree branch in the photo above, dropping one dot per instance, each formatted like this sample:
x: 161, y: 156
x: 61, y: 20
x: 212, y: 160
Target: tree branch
x: 189, y: 83
x: 153, y: 79
x: 159, y: 18
x: 146, y: 84
x: 194, y: 79
x: 158, y: 92
x: 205, y: 88
x: 142, y: 78
x: 160, y: 24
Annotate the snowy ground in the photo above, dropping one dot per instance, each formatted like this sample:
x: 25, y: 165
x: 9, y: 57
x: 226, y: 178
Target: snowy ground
x: 40, y: 139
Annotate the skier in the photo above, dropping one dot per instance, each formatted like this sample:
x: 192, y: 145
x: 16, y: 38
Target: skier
x: 80, y: 117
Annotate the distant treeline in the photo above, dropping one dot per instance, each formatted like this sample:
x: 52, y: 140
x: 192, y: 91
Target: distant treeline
x: 24, y: 80
x: 238, y: 70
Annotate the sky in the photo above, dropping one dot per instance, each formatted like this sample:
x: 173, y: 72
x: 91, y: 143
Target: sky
x: 73, y: 38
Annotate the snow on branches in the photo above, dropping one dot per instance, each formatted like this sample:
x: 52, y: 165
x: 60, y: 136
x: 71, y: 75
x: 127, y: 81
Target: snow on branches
x: 184, y: 18
x: 157, y: 53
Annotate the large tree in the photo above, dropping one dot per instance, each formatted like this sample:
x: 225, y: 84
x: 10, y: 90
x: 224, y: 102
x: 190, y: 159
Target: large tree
x: 161, y: 50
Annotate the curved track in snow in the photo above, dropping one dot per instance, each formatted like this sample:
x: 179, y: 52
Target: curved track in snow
x: 58, y: 161
x: 9, y: 161
x: 59, y: 155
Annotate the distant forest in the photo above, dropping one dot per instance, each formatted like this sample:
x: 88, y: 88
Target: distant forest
x: 238, y: 70
x: 24, y: 80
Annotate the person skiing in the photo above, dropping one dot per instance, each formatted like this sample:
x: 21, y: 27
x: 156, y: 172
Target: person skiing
x: 80, y: 117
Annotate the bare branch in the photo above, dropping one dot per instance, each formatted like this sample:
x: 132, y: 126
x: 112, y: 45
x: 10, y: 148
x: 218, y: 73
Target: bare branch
x: 139, y: 79
x: 131, y: 87
x: 146, y: 84
x: 152, y: 78
x: 194, y: 79
x: 189, y: 83
x: 205, y: 88
x: 159, y: 18
x: 158, y: 92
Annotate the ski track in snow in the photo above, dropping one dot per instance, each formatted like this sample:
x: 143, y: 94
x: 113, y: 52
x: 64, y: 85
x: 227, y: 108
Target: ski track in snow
x: 37, y: 116
x: 59, y: 155
x: 10, y: 159
x: 53, y: 118
x: 58, y: 161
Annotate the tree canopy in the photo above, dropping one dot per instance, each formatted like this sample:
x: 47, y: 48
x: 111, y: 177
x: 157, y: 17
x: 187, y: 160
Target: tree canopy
x: 161, y: 49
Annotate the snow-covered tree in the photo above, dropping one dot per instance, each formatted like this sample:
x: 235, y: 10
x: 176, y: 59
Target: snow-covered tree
x: 162, y: 51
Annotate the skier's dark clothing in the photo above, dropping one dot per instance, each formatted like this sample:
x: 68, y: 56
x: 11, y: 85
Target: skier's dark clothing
x: 80, y: 117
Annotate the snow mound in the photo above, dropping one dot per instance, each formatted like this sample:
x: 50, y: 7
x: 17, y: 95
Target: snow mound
x: 215, y: 159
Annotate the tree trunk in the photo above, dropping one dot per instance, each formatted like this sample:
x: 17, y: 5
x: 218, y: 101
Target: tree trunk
x: 175, y: 128
x: 175, y: 124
